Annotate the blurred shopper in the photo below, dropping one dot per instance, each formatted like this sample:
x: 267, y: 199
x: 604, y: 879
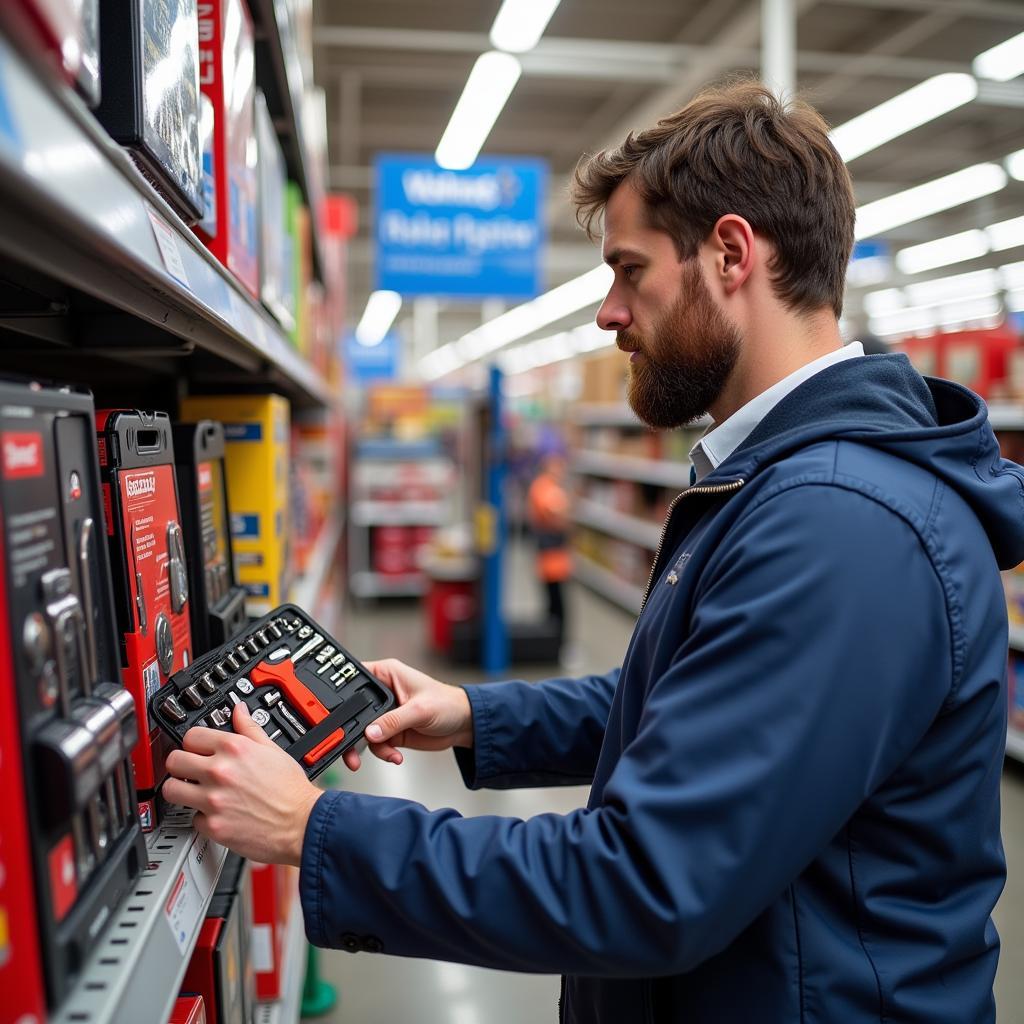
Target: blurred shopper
x: 548, y: 512
x: 794, y: 812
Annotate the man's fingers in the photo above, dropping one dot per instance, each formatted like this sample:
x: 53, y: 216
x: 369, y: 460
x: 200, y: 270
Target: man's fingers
x: 352, y: 759
x: 395, y: 721
x: 386, y: 752
x: 243, y: 724
x: 200, y: 740
x: 184, y: 765
x: 185, y: 794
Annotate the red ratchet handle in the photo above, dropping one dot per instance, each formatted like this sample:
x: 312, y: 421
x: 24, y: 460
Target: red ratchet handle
x: 283, y: 675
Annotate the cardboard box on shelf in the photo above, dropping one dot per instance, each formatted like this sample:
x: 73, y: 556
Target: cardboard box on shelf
x: 604, y: 378
x: 274, y: 889
x: 256, y: 431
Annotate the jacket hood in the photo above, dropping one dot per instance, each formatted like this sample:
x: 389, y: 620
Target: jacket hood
x: 883, y: 402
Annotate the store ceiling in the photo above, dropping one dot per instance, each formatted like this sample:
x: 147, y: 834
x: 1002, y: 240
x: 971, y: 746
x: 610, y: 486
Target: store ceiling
x: 394, y: 69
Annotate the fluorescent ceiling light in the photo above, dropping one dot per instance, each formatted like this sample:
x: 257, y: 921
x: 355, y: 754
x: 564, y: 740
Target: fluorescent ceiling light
x: 548, y: 308
x: 919, y: 105
x: 1002, y: 62
x: 1015, y: 165
x: 966, y: 245
x: 492, y: 79
x: 1007, y: 234
x: 932, y: 197
x: 585, y: 338
x: 976, y: 284
x: 520, y: 24
x: 379, y: 315
x: 925, y: 319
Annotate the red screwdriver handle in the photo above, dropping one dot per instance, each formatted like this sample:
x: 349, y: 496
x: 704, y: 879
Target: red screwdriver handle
x: 282, y: 674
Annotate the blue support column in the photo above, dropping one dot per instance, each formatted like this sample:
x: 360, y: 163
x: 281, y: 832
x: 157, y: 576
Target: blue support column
x: 495, y: 637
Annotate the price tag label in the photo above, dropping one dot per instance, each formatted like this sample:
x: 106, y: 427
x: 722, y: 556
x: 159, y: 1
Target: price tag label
x: 184, y: 906
x: 167, y: 243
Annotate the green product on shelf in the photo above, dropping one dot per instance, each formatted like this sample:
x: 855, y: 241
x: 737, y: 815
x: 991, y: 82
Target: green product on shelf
x: 318, y: 996
x: 298, y: 259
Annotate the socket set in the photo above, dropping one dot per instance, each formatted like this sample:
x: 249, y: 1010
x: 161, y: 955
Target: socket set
x: 310, y: 696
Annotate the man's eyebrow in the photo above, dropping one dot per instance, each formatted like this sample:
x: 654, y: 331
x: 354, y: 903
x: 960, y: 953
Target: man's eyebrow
x: 616, y: 256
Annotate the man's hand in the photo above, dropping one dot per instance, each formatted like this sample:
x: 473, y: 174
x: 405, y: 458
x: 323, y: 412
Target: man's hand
x: 431, y: 715
x: 250, y: 795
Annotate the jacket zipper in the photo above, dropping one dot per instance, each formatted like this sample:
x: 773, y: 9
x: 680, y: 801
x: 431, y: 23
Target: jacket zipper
x: 735, y: 485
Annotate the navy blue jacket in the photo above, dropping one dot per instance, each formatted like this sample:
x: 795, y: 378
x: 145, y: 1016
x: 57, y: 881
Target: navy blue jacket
x: 794, y: 813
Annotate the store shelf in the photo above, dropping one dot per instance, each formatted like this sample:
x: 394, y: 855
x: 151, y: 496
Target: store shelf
x: 78, y: 212
x: 279, y: 74
x: 375, y: 584
x: 136, y: 968
x: 606, y: 583
x: 617, y: 524
x: 1015, y: 744
x: 399, y: 513
x: 321, y: 560
x: 628, y: 467
x: 1006, y: 416
x: 287, y: 1009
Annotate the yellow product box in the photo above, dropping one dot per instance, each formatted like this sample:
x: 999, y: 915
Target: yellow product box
x: 256, y: 432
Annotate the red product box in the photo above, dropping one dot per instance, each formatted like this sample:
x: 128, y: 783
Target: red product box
x: 273, y: 892
x: 227, y: 80
x: 188, y: 1009
x: 148, y: 559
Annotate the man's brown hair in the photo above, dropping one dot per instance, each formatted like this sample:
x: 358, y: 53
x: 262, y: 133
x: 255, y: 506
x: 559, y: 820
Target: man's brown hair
x: 736, y: 148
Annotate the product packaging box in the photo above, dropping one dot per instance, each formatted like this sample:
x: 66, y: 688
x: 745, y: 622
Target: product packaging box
x: 221, y: 966
x: 150, y: 569
x: 275, y: 256
x: 226, y: 77
x: 1016, y: 678
x: 69, y: 831
x: 274, y: 889
x: 149, y: 89
x: 298, y: 225
x: 70, y: 32
x: 188, y: 1009
x: 218, y: 600
x: 256, y: 430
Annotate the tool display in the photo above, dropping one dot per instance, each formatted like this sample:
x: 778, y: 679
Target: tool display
x: 300, y: 685
x: 76, y: 725
x: 218, y: 601
x: 148, y: 555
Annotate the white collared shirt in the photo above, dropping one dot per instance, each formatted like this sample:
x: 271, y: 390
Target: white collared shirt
x: 719, y: 442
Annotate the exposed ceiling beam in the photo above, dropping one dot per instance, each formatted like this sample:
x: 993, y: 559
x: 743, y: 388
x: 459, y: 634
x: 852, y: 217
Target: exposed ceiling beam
x: 998, y: 9
x: 617, y: 60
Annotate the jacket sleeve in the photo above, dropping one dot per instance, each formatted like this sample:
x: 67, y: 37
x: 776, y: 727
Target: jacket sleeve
x: 820, y: 651
x: 536, y: 734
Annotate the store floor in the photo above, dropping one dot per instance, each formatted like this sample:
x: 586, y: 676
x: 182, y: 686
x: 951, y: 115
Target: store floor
x: 388, y: 990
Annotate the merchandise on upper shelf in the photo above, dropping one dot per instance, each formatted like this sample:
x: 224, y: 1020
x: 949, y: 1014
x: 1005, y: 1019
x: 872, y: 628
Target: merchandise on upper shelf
x: 273, y: 183
x: 70, y: 32
x: 149, y: 93
x: 226, y: 76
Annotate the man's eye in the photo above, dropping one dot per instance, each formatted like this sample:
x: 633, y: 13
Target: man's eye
x: 628, y: 270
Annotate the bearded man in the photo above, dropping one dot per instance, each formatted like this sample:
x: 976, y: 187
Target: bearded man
x: 794, y: 807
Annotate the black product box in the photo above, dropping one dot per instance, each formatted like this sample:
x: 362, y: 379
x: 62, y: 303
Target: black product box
x: 59, y: 655
x: 218, y: 601
x: 149, y: 98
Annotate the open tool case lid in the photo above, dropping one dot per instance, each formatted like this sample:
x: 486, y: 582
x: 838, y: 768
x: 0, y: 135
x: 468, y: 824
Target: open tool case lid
x: 261, y: 658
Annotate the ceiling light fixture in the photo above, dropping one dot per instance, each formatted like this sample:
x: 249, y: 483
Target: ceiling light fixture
x: 1015, y: 165
x: 932, y: 197
x: 520, y: 24
x: 911, y: 109
x: 1002, y: 62
x: 379, y: 315
x: 966, y: 245
x: 489, y: 85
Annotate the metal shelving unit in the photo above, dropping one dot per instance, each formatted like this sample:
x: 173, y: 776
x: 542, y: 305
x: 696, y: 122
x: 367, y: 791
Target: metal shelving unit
x: 1006, y: 416
x: 79, y: 216
x: 618, y: 524
x: 404, y: 513
x: 604, y: 414
x: 1016, y: 638
x: 606, y: 583
x: 321, y: 559
x: 629, y: 467
x: 136, y: 967
x: 376, y: 584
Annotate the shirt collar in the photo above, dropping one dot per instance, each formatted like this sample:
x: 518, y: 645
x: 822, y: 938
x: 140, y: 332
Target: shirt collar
x: 719, y: 442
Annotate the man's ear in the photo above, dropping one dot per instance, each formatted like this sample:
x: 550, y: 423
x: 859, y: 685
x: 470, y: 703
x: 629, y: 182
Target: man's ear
x: 732, y: 244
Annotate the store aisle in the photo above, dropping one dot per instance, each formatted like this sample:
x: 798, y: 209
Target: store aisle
x: 384, y: 990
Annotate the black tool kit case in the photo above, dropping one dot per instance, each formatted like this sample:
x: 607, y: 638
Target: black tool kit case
x: 300, y: 685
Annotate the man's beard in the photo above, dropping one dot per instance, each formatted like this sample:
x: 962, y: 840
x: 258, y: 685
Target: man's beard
x: 684, y: 365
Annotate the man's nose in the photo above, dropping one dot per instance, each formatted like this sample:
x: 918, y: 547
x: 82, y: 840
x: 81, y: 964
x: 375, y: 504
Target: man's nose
x: 613, y: 315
